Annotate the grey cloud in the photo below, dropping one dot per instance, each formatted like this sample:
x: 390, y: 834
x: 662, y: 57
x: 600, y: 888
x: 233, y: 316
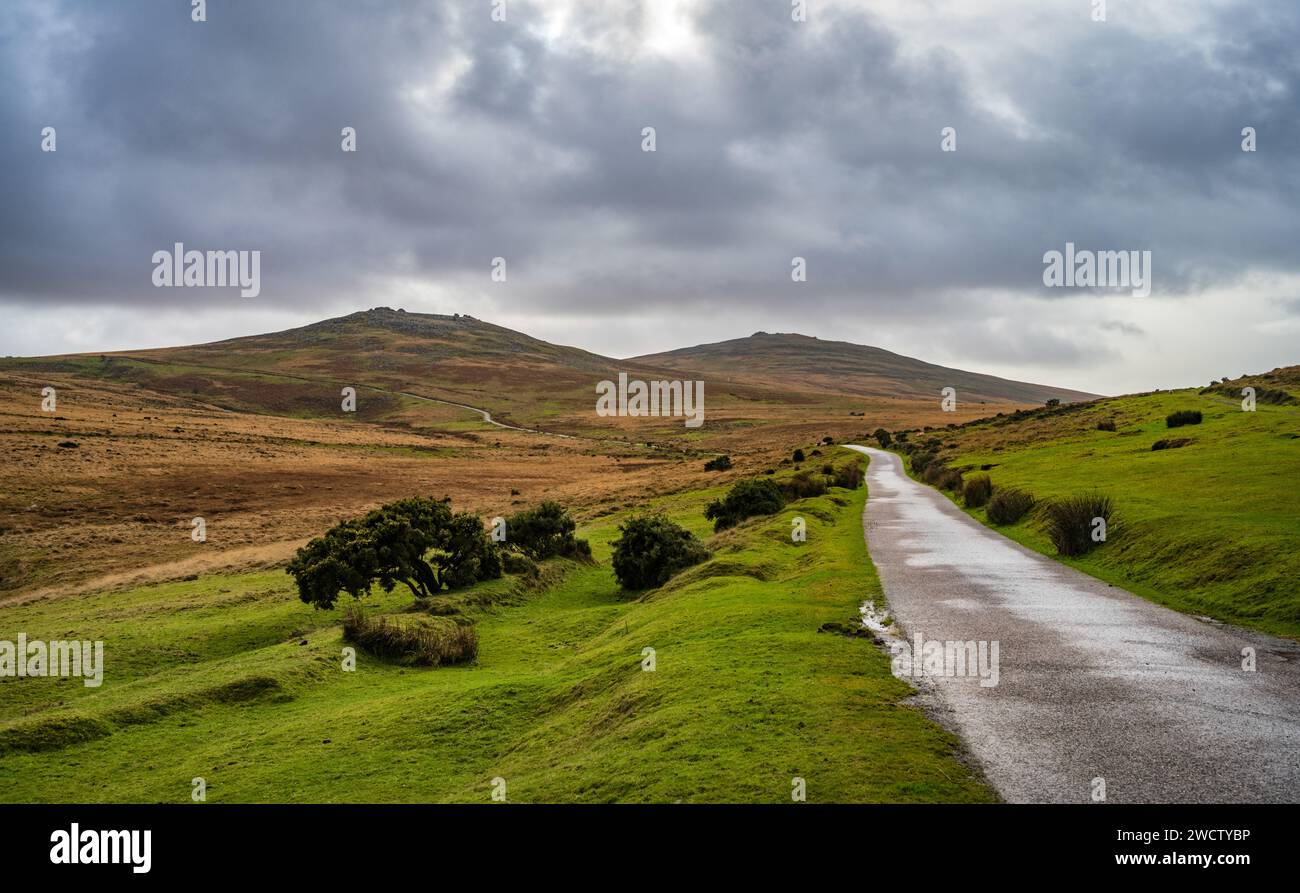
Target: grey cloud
x: 479, y: 139
x: 1124, y: 328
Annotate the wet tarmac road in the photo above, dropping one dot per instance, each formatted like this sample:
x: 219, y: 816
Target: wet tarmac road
x: 1092, y: 681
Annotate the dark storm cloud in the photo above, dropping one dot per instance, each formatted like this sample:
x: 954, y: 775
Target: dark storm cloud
x: 775, y: 139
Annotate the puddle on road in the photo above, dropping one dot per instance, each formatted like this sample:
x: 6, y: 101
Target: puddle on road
x: 878, y: 621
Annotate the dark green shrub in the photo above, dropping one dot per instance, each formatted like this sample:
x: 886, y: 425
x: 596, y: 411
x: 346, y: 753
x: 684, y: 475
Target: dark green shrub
x: 412, y: 640
x: 651, y: 549
x: 417, y: 542
x: 745, y: 499
x: 1069, y: 522
x: 1106, y: 425
x: 882, y: 437
x: 721, y: 463
x: 1183, y: 417
x: 545, y: 532
x: 977, y: 490
x: 827, y: 441
x: 468, y: 555
x: 798, y: 456
x: 828, y: 468
x: 1008, y: 505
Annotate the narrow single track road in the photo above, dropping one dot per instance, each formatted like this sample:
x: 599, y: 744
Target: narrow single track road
x: 1093, y: 682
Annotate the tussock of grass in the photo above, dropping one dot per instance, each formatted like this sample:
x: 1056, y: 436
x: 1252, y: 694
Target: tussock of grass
x: 1183, y: 417
x: 977, y: 490
x: 1070, y: 522
x: 412, y: 640
x: 1008, y: 505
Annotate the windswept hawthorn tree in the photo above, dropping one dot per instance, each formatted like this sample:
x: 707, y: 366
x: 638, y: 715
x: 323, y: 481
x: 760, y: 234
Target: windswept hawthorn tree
x: 417, y: 542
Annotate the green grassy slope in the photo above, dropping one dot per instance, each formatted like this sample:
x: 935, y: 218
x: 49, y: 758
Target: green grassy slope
x: 1210, y: 528
x: 232, y: 679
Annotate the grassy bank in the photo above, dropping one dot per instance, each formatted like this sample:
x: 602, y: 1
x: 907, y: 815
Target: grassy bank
x: 232, y: 679
x: 1210, y: 526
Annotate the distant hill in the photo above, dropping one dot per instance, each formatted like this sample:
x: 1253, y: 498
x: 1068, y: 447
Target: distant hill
x: 786, y: 382
x: 802, y: 362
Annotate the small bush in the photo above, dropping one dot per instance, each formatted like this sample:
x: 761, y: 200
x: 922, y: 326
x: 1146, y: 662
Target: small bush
x: 745, y: 499
x: 921, y: 461
x: 1183, y: 417
x: 798, y: 456
x: 1106, y: 425
x: 1170, y: 443
x: 882, y: 437
x: 828, y: 468
x: 651, y: 549
x: 849, y: 476
x: 802, y: 486
x: 1069, y: 522
x: 721, y: 463
x: 1008, y: 505
x: 545, y: 532
x: 827, y: 441
x: 937, y: 474
x: 416, y: 641
x: 977, y: 490
x: 950, y: 479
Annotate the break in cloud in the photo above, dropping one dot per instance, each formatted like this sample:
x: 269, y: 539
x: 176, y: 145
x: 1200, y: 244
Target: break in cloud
x: 775, y: 139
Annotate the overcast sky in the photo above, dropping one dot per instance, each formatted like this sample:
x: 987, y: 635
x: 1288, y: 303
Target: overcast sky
x: 774, y: 139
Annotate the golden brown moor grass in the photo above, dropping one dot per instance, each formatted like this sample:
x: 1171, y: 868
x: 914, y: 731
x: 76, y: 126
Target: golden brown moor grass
x: 116, y: 508
x: 146, y: 463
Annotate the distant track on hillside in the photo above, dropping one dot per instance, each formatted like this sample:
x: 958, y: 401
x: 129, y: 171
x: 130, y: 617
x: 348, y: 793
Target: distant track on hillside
x: 484, y: 413
x: 1094, y: 682
x: 487, y: 416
